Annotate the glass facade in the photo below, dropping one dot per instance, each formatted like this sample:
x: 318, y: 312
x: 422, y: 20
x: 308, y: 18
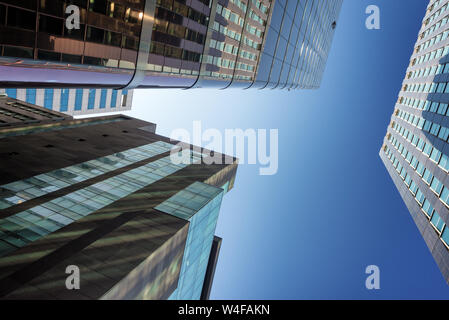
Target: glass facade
x: 200, y: 204
x: 298, y: 43
x: 24, y: 190
x: 27, y: 226
x: 168, y: 43
x: 415, y: 149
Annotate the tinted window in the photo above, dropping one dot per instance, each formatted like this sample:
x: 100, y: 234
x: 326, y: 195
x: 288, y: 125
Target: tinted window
x: 2, y: 14
x: 70, y: 58
x: 21, y: 19
x: 95, y: 35
x: 48, y: 55
x: 50, y: 25
x: 18, y: 52
x: 75, y: 33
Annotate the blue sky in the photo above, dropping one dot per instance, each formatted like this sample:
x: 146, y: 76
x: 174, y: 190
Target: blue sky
x: 309, y: 231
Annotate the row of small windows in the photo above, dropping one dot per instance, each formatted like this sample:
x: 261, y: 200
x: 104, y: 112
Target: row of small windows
x: 174, y: 52
x: 435, y: 54
x: 56, y: 26
x: 240, y: 4
x: 259, y: 5
x: 174, y: 70
x: 437, y: 13
x: 438, y: 24
x: 174, y: 11
x: 227, y: 32
x: 229, y: 15
x: 431, y: 214
x: 248, y: 55
x: 438, y: 38
x: 426, y: 105
x: 426, y: 125
x: 256, y: 18
x: 429, y: 87
x: 251, y: 43
x: 178, y: 31
x: 425, y: 148
x: 254, y: 31
x: 230, y: 64
x: 224, y: 47
x: 429, y: 71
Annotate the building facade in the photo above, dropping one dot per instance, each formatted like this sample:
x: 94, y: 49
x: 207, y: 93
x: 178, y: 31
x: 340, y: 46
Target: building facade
x: 107, y: 199
x: 416, y: 148
x: 75, y: 102
x: 166, y: 43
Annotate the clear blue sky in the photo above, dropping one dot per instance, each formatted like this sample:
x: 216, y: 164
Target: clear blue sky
x: 309, y: 231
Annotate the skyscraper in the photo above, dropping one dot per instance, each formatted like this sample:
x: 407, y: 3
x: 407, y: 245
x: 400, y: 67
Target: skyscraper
x: 416, y: 147
x: 166, y: 43
x: 110, y: 199
x: 74, y: 101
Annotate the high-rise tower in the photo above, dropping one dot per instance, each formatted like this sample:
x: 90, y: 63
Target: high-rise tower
x: 416, y: 148
x: 122, y: 44
x: 108, y: 200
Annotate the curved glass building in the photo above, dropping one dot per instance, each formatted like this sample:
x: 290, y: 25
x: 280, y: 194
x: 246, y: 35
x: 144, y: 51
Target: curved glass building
x: 126, y: 44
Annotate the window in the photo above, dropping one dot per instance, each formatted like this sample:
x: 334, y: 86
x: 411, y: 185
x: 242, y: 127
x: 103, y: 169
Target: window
x: 436, y: 186
x: 48, y: 99
x: 91, y: 99
x: 50, y: 25
x: 427, y: 208
x: 124, y: 100
x: 427, y: 177
x: 435, y: 155
x: 19, y: 52
x: 103, y: 98
x: 445, y: 196
x: 427, y: 149
x: 435, y: 129
x: 444, y: 162
x: 95, y: 35
x: 78, y: 99
x: 21, y: 18
x: 444, y: 133
x: 420, y: 169
x: 64, y: 102
x: 31, y: 96
x: 420, y: 197
x: 413, y: 188
x: 12, y: 93
x: 114, y: 99
x: 437, y: 222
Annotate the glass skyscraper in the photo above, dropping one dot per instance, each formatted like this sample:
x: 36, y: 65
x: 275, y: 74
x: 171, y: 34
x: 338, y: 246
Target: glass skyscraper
x: 166, y: 43
x: 75, y: 101
x: 416, y: 147
x: 106, y: 196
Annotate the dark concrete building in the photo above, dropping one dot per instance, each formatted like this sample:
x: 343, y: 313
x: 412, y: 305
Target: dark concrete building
x: 122, y: 44
x: 109, y: 197
x: 14, y: 112
x: 416, y: 148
